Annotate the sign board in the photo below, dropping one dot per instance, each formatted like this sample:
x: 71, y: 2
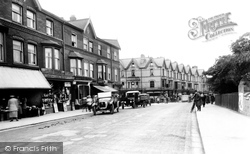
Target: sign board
x: 67, y: 84
x: 104, y: 94
x: 184, y: 98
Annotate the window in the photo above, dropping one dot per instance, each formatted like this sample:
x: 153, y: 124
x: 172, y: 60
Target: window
x: 86, y: 69
x: 85, y: 44
x: 48, y: 58
x: 115, y: 55
x: 91, y: 70
x: 74, y: 40
x: 1, y: 48
x: 163, y: 72
x: 17, y: 13
x: 116, y: 75
x: 99, y: 71
x: 57, y: 59
x: 49, y: 27
x: 76, y: 66
x: 18, y: 51
x: 151, y: 72
x: 108, y: 52
x: 32, y: 55
x: 79, y: 67
x: 122, y: 73
x: 31, y: 19
x: 133, y: 73
x: 99, y: 50
x: 109, y: 74
x: 152, y: 84
x: 90, y: 47
x: 104, y: 72
x: 73, y: 66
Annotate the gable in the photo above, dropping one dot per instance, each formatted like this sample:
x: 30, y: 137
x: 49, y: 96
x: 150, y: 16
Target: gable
x: 89, y: 32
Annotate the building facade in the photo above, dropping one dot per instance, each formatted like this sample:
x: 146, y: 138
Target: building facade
x: 49, y: 61
x: 160, y: 76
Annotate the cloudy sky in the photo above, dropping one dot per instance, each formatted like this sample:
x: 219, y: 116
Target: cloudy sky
x: 158, y: 28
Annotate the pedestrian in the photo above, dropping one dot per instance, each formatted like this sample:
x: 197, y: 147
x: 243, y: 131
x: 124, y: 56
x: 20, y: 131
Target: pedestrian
x: 13, y: 108
x: 20, y: 110
x: 203, y: 99
x: 196, y: 101
x: 89, y: 102
x: 212, y: 98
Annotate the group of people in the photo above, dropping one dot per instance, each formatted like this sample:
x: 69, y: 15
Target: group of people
x: 201, y: 99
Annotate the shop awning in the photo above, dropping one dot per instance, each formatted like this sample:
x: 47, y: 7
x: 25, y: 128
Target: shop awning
x: 18, y: 78
x: 105, y: 88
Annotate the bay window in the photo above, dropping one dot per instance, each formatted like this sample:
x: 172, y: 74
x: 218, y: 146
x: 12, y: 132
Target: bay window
x: 48, y: 58
x: 91, y: 70
x: 76, y: 66
x: 86, y: 69
x: 57, y: 59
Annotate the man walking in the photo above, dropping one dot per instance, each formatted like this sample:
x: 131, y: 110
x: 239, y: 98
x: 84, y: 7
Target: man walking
x: 196, y: 102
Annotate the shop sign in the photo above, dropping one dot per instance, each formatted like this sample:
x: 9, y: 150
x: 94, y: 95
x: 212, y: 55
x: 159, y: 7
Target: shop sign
x: 67, y: 84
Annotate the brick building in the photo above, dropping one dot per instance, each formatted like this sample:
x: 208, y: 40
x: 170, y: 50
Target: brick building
x: 44, y: 58
x: 160, y: 76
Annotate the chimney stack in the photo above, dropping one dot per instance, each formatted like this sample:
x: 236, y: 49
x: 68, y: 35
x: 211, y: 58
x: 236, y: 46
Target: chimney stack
x: 72, y: 18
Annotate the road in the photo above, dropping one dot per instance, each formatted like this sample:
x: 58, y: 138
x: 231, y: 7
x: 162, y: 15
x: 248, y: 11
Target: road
x: 160, y: 128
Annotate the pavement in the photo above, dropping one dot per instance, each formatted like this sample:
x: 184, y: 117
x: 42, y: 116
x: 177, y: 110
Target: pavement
x: 26, y: 122
x: 222, y: 130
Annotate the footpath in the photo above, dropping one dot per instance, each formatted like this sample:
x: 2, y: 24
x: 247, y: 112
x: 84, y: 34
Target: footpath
x: 24, y: 122
x: 223, y: 131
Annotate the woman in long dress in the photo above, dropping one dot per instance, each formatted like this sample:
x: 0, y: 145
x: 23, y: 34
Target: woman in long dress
x: 13, y: 108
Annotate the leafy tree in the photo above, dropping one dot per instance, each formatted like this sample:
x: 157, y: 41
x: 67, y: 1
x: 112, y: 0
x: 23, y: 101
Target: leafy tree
x: 228, y: 70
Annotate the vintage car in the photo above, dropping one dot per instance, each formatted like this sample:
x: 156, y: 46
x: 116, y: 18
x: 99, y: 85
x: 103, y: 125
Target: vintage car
x: 106, y: 101
x: 132, y: 99
x: 144, y: 99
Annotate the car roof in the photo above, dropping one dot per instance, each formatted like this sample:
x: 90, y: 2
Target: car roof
x: 132, y: 92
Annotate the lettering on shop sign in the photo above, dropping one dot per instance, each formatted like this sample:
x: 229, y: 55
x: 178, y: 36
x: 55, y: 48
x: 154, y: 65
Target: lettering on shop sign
x: 211, y: 28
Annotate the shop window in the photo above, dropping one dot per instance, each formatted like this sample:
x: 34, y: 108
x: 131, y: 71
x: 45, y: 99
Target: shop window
x: 74, y: 40
x: 18, y: 51
x: 32, y: 54
x: 1, y: 47
x: 49, y: 27
x: 17, y: 13
x: 31, y: 19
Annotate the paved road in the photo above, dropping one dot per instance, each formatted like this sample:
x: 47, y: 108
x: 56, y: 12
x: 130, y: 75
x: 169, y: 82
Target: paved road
x: 160, y: 128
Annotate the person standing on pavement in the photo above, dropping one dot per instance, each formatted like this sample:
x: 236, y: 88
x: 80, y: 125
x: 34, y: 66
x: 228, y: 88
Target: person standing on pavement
x: 13, y: 108
x: 196, y: 101
x: 203, y: 99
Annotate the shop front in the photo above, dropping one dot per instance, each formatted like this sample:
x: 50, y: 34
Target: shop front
x: 58, y: 98
x: 26, y: 85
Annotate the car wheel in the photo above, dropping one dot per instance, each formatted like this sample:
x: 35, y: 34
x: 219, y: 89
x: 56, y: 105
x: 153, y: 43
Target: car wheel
x: 94, y: 110
x: 144, y: 104
x: 112, y: 108
x: 123, y: 105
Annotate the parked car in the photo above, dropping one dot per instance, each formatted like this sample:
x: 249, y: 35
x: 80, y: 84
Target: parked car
x: 106, y: 101
x: 144, y: 99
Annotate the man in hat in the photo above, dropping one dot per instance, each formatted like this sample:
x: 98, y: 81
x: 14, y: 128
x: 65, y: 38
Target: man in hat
x: 197, y: 98
x: 13, y: 108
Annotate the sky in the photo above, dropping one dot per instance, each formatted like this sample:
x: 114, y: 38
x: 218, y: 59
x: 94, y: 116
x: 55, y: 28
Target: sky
x: 158, y: 28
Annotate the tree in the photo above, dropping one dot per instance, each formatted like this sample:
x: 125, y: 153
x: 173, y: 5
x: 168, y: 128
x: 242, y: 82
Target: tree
x: 230, y: 69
